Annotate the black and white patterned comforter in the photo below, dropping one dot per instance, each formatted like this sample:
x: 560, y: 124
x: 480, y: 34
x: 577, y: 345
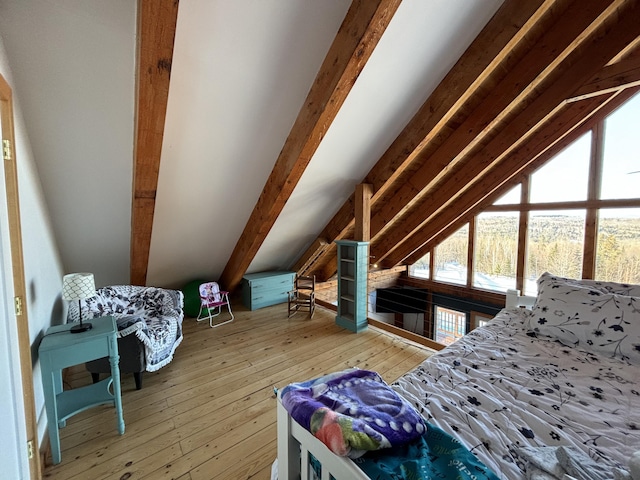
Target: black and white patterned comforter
x: 153, y: 314
x: 498, y: 389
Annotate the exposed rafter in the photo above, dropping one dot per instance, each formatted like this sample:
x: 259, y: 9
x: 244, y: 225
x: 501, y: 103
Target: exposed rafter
x: 156, y: 32
x: 583, y: 62
x: 526, y: 85
x: 357, y: 37
x: 569, y: 48
x: 567, y: 125
x: 484, y: 57
x: 623, y: 74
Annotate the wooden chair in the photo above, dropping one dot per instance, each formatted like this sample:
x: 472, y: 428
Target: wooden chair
x: 303, y: 296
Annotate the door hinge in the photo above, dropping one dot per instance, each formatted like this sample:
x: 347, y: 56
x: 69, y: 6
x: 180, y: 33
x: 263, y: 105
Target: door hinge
x: 18, y: 305
x: 6, y: 149
x: 30, y: 451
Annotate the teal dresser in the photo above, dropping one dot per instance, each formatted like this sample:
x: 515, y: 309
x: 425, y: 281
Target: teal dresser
x: 353, y: 267
x: 266, y: 288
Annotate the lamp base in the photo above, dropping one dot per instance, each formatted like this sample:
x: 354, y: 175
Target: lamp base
x: 82, y: 327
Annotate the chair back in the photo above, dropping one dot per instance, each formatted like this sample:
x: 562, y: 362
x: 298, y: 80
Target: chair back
x: 210, y: 292
x: 305, y: 283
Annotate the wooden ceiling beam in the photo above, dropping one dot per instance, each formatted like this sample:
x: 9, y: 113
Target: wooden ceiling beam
x: 316, y: 249
x: 547, y: 143
x: 454, y: 225
x: 621, y: 75
x: 506, y: 29
x: 362, y: 28
x: 549, y: 44
x: 156, y: 32
x: 571, y: 122
x: 602, y: 40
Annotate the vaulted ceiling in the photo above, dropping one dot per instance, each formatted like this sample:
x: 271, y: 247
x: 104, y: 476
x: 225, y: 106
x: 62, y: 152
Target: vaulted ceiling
x: 255, y: 121
x: 535, y: 77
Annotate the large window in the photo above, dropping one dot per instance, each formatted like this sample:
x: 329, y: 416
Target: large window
x: 581, y: 211
x: 420, y: 269
x: 565, y: 177
x: 621, y: 165
x: 451, y: 258
x: 555, y: 244
x: 618, y: 254
x: 496, y: 251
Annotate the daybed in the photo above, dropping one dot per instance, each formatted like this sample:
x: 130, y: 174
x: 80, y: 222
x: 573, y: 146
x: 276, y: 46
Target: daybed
x: 565, y: 373
x: 149, y: 323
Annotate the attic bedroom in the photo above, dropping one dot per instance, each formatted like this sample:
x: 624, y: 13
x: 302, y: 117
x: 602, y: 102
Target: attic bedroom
x: 459, y: 153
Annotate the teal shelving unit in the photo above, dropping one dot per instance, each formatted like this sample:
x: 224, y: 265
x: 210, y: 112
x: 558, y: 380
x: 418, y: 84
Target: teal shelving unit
x: 353, y: 262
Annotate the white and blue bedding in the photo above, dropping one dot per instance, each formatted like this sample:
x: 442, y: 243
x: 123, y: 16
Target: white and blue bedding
x: 499, y: 389
x: 534, y: 394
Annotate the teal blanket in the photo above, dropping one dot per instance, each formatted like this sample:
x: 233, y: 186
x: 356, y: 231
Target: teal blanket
x: 435, y: 454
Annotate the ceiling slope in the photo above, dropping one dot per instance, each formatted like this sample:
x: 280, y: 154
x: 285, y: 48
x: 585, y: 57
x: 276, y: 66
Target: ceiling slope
x: 494, y: 43
x: 357, y: 37
x: 239, y: 77
x: 240, y: 72
x: 575, y: 63
x: 563, y: 49
x: 567, y: 125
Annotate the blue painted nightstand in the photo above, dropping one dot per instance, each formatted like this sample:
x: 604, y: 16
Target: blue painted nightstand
x: 61, y: 349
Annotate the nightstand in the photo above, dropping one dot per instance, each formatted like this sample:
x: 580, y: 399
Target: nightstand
x: 60, y: 349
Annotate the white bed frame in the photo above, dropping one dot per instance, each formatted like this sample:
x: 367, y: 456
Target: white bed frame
x: 296, y: 444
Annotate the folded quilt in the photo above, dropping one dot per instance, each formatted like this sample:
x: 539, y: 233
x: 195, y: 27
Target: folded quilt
x: 352, y: 412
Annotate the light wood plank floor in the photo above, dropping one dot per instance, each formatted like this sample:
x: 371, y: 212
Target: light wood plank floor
x: 211, y: 413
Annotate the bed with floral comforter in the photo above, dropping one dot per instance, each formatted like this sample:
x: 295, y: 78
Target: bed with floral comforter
x: 564, y: 374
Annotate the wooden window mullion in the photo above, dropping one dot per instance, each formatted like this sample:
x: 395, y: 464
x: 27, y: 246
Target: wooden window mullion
x: 593, y: 193
x: 523, y: 227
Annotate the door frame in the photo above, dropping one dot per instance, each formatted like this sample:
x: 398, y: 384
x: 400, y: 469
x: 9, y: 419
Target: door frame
x: 18, y: 278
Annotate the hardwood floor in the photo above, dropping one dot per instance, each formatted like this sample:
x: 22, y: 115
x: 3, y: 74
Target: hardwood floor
x: 211, y: 413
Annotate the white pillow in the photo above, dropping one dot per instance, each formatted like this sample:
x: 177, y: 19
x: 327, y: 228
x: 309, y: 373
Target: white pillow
x: 627, y: 289
x: 581, y: 313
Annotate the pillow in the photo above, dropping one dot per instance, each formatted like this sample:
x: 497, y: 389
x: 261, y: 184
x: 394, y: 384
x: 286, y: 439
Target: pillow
x: 583, y: 314
x: 627, y: 289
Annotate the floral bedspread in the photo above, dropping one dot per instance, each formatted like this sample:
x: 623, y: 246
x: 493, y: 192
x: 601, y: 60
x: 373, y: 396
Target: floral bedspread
x: 499, y: 389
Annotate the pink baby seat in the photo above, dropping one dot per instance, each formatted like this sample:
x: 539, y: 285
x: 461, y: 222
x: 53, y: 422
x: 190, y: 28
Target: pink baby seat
x: 212, y: 299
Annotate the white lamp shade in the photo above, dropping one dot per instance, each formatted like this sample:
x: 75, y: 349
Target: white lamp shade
x: 78, y: 286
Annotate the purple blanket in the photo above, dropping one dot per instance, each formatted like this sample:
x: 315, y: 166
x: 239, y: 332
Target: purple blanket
x: 352, y: 412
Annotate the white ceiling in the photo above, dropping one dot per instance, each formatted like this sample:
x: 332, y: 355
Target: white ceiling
x: 241, y: 71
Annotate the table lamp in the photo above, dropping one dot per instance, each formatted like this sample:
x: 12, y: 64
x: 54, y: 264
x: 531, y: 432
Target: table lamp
x: 78, y: 286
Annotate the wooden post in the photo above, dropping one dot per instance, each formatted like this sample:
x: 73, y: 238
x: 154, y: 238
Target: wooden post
x: 364, y: 192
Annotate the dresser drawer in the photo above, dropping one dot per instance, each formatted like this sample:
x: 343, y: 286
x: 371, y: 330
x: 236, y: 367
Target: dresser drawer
x: 266, y: 288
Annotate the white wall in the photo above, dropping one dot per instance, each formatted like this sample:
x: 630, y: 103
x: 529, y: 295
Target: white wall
x: 73, y: 63
x: 43, y: 274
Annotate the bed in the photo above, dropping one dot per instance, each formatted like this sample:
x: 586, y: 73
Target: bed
x: 562, y: 372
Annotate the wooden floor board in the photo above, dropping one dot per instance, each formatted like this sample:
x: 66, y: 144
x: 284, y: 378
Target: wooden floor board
x: 211, y: 413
